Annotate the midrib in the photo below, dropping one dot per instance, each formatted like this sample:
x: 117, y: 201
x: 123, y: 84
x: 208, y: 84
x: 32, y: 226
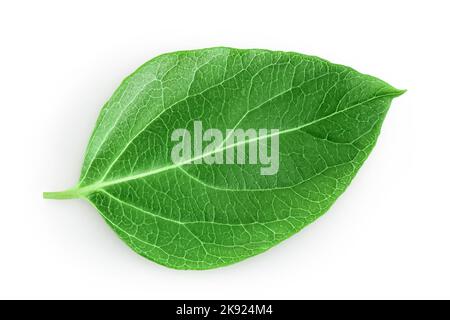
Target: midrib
x: 84, y: 191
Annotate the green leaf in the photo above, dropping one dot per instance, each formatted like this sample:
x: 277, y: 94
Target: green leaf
x: 199, y: 216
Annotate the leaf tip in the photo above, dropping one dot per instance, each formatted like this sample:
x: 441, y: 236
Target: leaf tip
x: 400, y: 92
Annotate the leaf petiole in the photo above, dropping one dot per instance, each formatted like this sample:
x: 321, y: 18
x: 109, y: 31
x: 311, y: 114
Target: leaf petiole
x: 68, y: 194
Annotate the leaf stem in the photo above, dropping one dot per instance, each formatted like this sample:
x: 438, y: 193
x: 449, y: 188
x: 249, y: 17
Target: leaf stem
x: 68, y: 194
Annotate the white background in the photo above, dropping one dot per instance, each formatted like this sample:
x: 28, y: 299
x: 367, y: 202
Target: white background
x: 388, y: 236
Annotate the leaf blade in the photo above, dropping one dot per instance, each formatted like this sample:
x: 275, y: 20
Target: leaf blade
x: 201, y: 216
